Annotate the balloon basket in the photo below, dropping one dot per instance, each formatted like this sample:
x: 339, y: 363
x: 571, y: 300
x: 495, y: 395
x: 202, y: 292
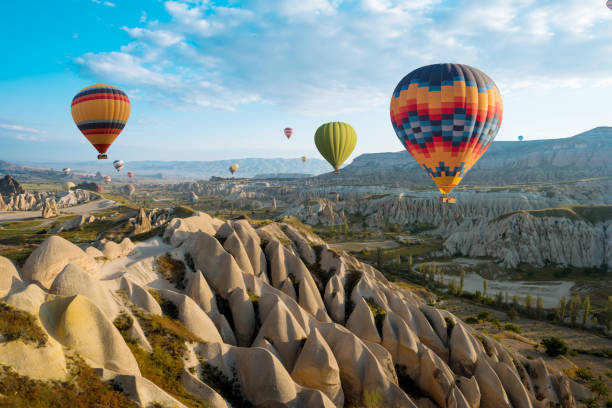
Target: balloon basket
x: 448, y: 200
x: 102, y: 157
x: 336, y: 171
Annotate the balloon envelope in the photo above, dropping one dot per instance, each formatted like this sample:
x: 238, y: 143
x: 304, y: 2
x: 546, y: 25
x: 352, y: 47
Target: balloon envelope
x: 304, y: 158
x: 118, y: 165
x: 130, y: 174
x: 107, y: 179
x: 335, y: 141
x: 520, y: 138
x: 69, y: 185
x: 609, y: 4
x: 100, y: 112
x: 233, y: 168
x: 66, y: 170
x: 288, y: 132
x: 446, y: 116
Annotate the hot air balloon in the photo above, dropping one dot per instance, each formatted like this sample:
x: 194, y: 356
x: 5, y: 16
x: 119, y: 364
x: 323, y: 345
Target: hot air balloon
x: 446, y: 116
x: 288, y: 132
x: 107, y: 179
x: 304, y: 158
x: 520, y: 138
x: 609, y: 4
x: 193, y: 198
x: 130, y: 174
x: 335, y: 141
x: 233, y: 168
x: 101, y: 112
x: 69, y: 185
x: 129, y: 189
x: 101, y: 189
x: 66, y: 171
x: 118, y: 165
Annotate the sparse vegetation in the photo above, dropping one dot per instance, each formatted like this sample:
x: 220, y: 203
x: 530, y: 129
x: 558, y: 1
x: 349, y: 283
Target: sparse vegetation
x: 513, y: 328
x: 20, y: 325
x: 172, y: 269
x: 228, y: 388
x: 378, y: 312
x: 84, y: 389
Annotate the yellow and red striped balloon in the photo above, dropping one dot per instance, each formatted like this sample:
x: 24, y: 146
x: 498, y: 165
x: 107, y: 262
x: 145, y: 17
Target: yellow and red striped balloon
x: 101, y: 112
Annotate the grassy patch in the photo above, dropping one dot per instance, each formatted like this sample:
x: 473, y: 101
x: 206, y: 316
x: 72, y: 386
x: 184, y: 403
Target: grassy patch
x: 164, y: 365
x: 513, y: 328
x: 83, y: 390
x: 172, y: 270
x: 19, y: 325
x: 378, y: 312
x: 168, y: 308
x: 183, y: 211
x: 589, y: 213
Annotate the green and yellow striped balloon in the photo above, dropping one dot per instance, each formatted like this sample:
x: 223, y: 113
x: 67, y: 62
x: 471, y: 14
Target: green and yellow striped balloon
x: 335, y: 141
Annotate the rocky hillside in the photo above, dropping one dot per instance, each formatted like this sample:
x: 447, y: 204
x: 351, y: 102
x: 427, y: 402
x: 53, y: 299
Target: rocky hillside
x: 565, y: 224
x: 221, y: 314
x: 582, y: 156
x: 36, y: 201
x: 9, y: 186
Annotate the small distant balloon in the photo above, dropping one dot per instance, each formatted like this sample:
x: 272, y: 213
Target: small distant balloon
x: 304, y: 158
x: 130, y: 174
x: 288, y: 132
x: 193, y: 197
x: 107, y: 179
x: 129, y: 189
x: 520, y: 138
x: 233, y: 168
x: 118, y: 165
x: 609, y: 4
x: 69, y: 185
x: 100, y: 189
x: 66, y: 170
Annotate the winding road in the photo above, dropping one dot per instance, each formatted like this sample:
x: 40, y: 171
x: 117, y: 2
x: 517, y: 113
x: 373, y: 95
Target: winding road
x: 81, y: 209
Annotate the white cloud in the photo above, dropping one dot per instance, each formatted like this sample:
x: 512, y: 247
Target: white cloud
x: 325, y: 56
x: 143, y: 17
x: 106, y: 3
x: 19, y: 128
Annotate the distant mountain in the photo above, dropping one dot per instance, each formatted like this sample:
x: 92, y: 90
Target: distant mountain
x: 586, y: 155
x: 249, y: 167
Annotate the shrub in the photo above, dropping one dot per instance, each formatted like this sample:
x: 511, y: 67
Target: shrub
x: 484, y: 315
x: 172, y: 270
x: 226, y: 387
x: 84, y: 390
x: 555, y: 346
x: 378, y: 312
x: 600, y: 388
x: 19, y: 325
x: 513, y: 328
x: 512, y: 314
x: 584, y: 374
x: 472, y: 320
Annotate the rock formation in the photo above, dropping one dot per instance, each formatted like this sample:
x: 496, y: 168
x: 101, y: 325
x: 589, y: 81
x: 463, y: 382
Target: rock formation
x: 50, y: 209
x: 260, y: 326
x: 9, y: 186
x: 143, y: 224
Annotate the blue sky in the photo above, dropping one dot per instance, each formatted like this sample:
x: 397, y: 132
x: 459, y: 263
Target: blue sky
x: 221, y: 79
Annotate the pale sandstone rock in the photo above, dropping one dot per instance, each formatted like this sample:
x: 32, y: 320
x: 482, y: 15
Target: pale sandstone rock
x: 28, y: 300
x: 202, y: 391
x: 180, y: 229
x: 361, y: 322
x: 74, y: 281
x: 41, y: 363
x: 50, y: 258
x: 112, y: 250
x: 243, y: 315
x: 10, y: 281
x: 491, y: 389
x: 316, y: 367
x: 77, y: 323
x: 140, y: 296
x: 469, y: 388
x: 200, y: 292
x: 463, y: 356
x: 144, y: 392
x: 334, y: 299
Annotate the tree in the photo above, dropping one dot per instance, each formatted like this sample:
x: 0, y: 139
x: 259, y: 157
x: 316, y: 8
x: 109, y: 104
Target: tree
x: 607, y: 314
x: 461, y: 281
x: 528, y: 303
x: 574, y: 305
x: 560, y: 311
x: 485, y: 286
x: 506, y: 297
x: 515, y: 302
x: 379, y: 258
x: 499, y: 298
x: 540, y: 308
x: 586, y: 309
